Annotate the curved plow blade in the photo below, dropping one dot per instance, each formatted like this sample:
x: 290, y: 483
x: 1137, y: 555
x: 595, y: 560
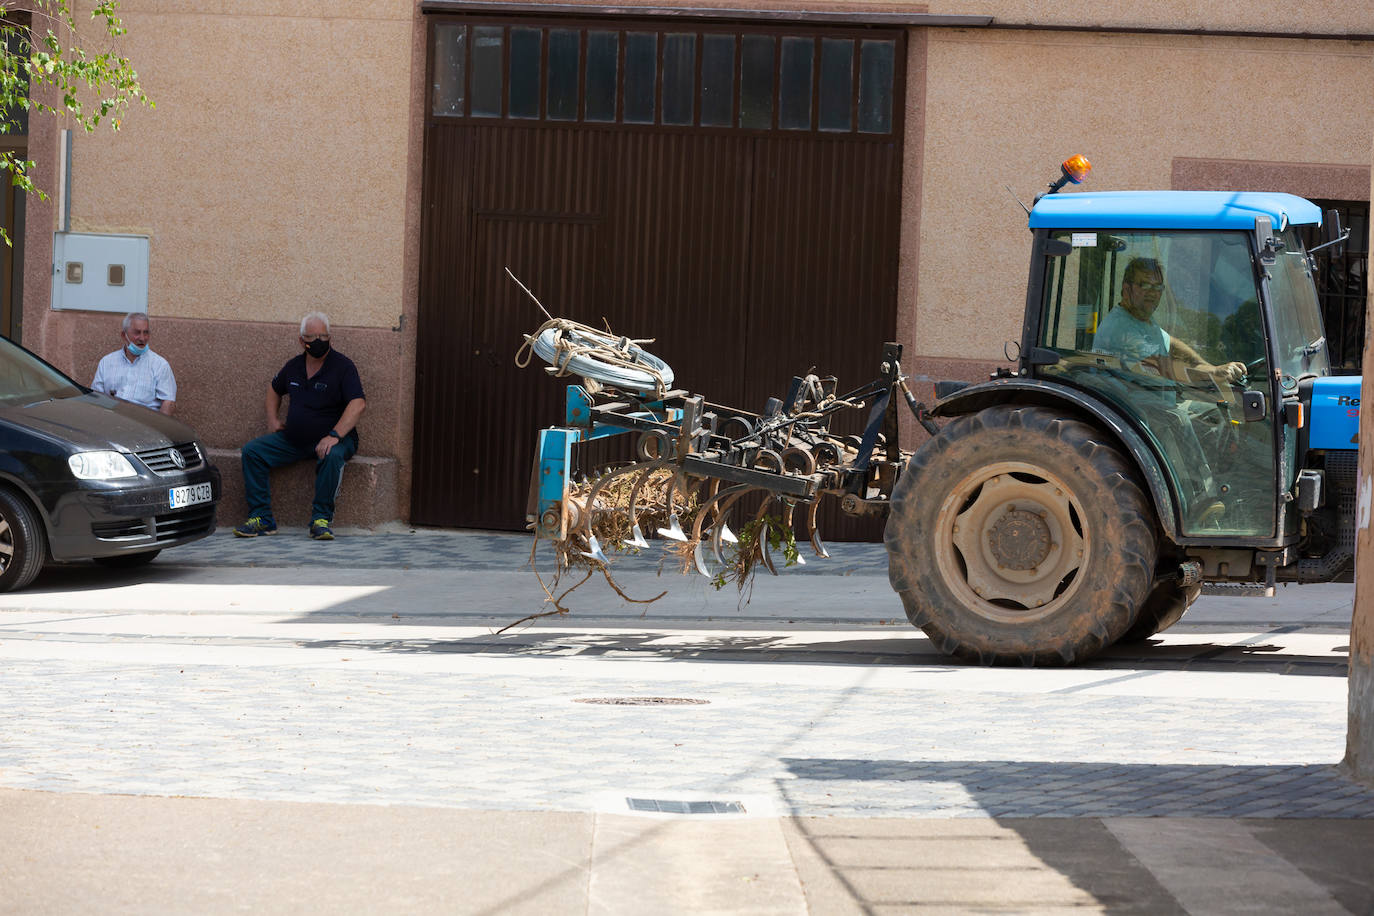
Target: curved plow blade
x: 699, y: 560
x: 816, y: 543
x: 674, y: 529
x: 594, y: 550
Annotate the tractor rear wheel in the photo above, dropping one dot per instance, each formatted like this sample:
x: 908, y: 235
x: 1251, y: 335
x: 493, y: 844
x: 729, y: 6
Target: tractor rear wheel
x: 1018, y: 536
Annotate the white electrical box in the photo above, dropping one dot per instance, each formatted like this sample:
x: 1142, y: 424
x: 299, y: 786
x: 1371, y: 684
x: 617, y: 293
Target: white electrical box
x: 101, y: 273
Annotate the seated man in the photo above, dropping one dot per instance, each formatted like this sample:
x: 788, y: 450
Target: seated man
x: 134, y: 372
x: 326, y: 400
x: 1129, y: 331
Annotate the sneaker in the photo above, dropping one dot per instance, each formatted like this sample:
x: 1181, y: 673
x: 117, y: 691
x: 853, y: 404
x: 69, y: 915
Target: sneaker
x: 258, y: 524
x: 320, y: 530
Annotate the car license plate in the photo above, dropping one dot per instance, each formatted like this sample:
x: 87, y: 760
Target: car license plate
x: 196, y: 493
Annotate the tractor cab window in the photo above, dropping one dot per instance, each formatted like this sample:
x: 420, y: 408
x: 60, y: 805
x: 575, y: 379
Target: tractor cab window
x: 1166, y: 326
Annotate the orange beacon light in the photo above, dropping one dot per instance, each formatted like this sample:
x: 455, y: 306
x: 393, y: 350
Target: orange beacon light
x: 1074, y: 169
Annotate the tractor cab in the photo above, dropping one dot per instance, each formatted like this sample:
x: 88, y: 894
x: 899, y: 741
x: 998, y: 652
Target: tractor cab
x: 1193, y: 316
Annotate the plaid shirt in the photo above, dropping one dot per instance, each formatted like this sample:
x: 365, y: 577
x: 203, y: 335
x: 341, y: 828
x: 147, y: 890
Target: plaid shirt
x: 148, y: 380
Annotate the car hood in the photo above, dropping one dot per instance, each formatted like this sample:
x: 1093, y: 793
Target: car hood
x: 96, y: 421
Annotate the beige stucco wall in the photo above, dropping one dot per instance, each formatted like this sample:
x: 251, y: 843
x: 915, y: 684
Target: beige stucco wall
x: 279, y: 173
x: 271, y: 176
x: 1297, y: 17
x: 1005, y: 107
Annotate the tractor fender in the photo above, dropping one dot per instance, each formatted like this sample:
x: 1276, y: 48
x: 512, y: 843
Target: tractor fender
x: 1081, y: 406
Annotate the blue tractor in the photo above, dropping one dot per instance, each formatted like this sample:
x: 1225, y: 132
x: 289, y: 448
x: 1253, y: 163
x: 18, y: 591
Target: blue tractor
x: 1170, y: 424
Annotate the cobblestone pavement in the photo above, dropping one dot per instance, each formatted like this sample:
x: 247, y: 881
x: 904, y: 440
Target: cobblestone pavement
x: 814, y: 720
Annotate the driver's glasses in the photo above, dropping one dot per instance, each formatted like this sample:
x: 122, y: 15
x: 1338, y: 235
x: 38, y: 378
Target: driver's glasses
x: 1147, y: 287
x: 311, y: 338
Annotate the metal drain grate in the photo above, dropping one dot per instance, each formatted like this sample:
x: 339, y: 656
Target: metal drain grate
x: 669, y: 806
x: 642, y: 701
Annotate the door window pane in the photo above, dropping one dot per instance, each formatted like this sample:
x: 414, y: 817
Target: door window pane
x: 641, y: 74
x: 876, y: 61
x: 756, y: 83
x: 837, y: 84
x: 1113, y: 310
x: 525, y: 47
x: 717, y: 80
x: 679, y: 77
x: 450, y: 68
x: 794, y: 105
x: 603, y: 61
x: 487, y: 43
x: 561, y: 95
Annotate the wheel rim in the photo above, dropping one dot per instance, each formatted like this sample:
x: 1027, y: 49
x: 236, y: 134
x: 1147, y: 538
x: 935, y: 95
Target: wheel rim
x: 1011, y: 542
x: 6, y: 545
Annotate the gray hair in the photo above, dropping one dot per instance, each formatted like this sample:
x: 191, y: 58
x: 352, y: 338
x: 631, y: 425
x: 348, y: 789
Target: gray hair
x: 319, y: 316
x: 129, y: 319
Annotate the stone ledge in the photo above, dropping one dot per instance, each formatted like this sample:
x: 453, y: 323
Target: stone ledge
x: 367, y: 499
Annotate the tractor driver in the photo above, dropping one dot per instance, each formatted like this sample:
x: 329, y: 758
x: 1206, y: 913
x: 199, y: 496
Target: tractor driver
x: 1129, y: 331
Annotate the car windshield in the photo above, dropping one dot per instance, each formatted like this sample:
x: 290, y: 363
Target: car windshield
x: 24, y: 378
x: 1297, y: 314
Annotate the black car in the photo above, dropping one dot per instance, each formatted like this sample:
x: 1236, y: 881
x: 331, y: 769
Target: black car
x: 87, y: 476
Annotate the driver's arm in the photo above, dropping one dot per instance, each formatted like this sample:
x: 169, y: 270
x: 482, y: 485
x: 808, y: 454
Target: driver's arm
x: 1185, y: 354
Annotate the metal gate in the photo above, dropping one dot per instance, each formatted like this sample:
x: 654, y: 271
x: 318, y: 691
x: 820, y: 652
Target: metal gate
x: 731, y: 190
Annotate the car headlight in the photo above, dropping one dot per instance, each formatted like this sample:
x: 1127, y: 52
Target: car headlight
x: 100, y: 465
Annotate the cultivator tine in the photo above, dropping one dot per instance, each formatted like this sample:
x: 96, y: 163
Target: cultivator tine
x: 721, y: 532
x: 816, y: 543
x: 764, y: 553
x: 674, y: 530
x: 636, y: 534
x: 787, y: 508
x: 597, y: 487
x: 712, y: 509
x: 595, y: 551
x: 699, y: 560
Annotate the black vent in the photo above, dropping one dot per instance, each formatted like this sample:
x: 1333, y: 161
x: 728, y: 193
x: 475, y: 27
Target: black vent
x: 128, y: 528
x: 185, y: 523
x: 160, y: 461
x: 168, y: 527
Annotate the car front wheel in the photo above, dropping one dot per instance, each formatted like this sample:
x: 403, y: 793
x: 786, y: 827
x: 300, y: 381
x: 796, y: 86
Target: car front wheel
x: 23, y: 545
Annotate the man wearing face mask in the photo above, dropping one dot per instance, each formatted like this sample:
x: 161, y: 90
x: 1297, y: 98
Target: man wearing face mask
x: 325, y: 400
x: 134, y: 372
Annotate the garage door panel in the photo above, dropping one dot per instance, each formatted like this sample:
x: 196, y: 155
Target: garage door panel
x: 731, y: 190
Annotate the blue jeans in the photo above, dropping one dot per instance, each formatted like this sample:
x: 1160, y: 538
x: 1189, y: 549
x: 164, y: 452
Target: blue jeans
x: 274, y: 450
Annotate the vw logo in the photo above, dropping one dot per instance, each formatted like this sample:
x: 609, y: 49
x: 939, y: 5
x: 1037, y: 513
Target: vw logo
x: 176, y: 457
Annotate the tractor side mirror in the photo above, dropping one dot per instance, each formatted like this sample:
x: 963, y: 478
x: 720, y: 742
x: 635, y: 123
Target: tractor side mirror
x: 1254, y: 405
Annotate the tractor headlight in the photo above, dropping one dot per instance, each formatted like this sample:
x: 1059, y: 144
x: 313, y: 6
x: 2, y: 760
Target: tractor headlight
x: 100, y: 466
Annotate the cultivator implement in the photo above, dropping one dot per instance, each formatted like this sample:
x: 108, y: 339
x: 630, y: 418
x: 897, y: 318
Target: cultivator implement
x: 724, y: 488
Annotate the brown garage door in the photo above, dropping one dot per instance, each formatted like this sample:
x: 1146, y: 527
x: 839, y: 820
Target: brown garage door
x: 732, y: 191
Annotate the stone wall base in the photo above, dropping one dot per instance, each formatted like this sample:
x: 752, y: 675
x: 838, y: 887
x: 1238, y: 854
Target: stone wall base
x: 368, y: 497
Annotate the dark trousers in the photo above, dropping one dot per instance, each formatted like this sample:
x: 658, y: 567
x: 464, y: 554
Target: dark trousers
x: 274, y: 450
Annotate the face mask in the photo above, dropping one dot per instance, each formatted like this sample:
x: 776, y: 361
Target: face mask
x: 317, y: 348
x: 135, y: 350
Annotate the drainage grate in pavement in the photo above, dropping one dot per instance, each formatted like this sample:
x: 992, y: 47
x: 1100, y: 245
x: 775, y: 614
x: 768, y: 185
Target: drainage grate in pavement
x: 642, y: 701
x: 669, y: 806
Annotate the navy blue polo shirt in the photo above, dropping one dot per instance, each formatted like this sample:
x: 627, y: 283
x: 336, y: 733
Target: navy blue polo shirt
x: 317, y: 402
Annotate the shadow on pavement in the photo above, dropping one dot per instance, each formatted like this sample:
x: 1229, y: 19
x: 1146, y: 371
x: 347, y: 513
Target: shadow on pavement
x: 799, y: 645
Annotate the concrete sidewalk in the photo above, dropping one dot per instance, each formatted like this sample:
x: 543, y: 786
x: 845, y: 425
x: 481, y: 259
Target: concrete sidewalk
x: 284, y: 725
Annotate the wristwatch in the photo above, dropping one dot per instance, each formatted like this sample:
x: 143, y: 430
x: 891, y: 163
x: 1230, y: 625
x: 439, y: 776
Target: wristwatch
x: 334, y: 434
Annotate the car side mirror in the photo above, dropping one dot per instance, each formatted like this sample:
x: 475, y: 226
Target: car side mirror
x: 1254, y: 406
